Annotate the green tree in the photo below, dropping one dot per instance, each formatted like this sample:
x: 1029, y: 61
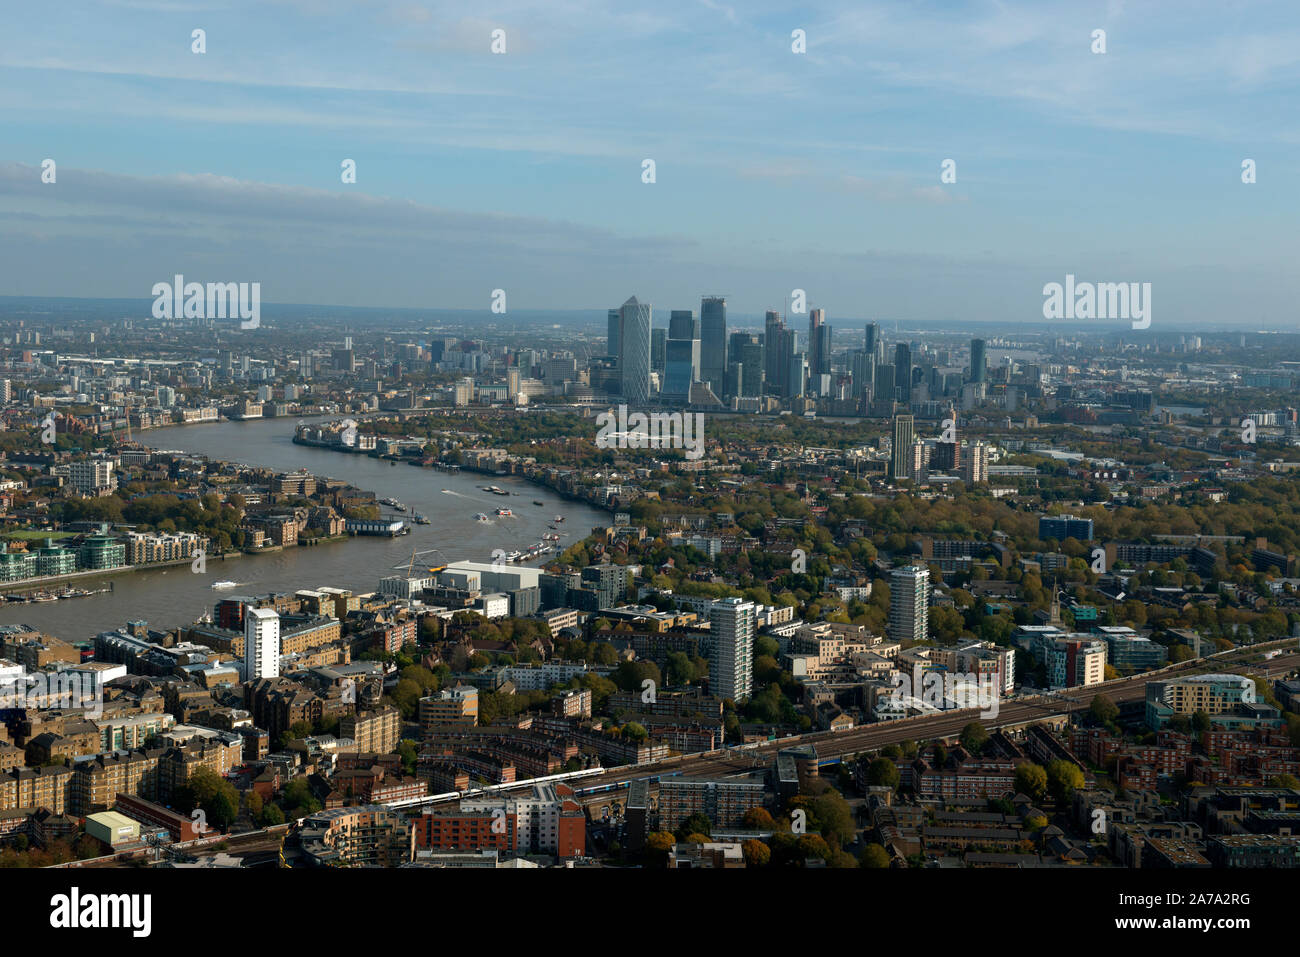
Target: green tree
x: 213, y: 794
x: 406, y: 696
x: 679, y: 670
x: 298, y: 800
x: 410, y: 752
x: 1031, y: 781
x: 835, y: 819
x: 874, y: 856
x: 695, y: 824
x: 974, y: 737
x: 882, y: 772
x: 629, y: 675
x: 1063, y: 778
x: 1103, y: 710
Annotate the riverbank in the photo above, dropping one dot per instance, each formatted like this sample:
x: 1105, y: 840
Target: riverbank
x: 426, y: 462
x: 38, y: 583
x: 167, y: 597
x: 53, y: 580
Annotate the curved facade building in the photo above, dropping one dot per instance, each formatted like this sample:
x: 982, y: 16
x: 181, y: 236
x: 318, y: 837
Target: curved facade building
x: 634, y: 342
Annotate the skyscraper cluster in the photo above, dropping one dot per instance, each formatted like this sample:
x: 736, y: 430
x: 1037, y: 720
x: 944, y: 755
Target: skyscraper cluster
x: 696, y: 361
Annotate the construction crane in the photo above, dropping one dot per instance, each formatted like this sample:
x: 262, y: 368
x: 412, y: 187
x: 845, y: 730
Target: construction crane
x: 410, y: 566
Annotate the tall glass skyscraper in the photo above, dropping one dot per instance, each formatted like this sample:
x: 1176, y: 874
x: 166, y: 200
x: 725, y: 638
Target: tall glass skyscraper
x: 775, y: 361
x: 872, y: 341
x: 713, y: 341
x: 900, y: 453
x: 798, y: 374
x: 682, y: 324
x: 746, y: 351
x: 863, y: 366
x: 681, y: 355
x: 819, y: 343
x: 978, y: 363
x: 681, y: 368
x: 614, y: 321
x: 883, y: 389
x: 658, y: 349
x: 634, y: 358
x: 903, y: 372
x: 751, y: 383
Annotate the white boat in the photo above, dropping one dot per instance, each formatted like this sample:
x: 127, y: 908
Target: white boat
x: 225, y: 584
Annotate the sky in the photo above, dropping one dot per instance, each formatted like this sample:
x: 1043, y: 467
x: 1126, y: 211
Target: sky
x: 774, y: 170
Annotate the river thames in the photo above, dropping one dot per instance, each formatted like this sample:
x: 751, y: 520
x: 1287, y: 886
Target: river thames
x: 166, y: 598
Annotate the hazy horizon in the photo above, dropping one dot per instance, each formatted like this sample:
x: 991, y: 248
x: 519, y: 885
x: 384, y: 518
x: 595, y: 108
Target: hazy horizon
x: 274, y: 313
x: 775, y: 170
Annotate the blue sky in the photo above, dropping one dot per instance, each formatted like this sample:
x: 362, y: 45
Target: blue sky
x: 774, y: 170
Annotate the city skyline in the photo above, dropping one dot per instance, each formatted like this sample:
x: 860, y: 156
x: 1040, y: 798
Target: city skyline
x: 1006, y: 553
